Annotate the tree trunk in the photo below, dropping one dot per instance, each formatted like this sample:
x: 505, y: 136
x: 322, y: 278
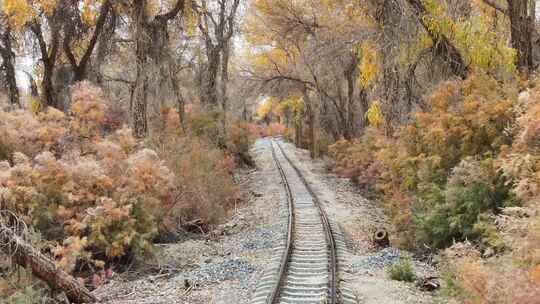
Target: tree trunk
x: 442, y: 45
x: 209, y: 93
x: 139, y: 95
x: 49, y: 94
x: 8, y: 58
x: 522, y: 16
x: 180, y: 102
x: 350, y: 76
x: 12, y: 244
x: 225, y: 81
x: 311, y: 122
x: 48, y: 56
x: 364, y: 106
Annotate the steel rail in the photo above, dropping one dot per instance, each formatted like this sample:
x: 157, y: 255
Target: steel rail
x: 274, y: 296
x: 330, y: 241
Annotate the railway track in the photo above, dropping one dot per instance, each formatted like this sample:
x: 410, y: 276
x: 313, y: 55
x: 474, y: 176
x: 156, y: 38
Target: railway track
x: 304, y: 268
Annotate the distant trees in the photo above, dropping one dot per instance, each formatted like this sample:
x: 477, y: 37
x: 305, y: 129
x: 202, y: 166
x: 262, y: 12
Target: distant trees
x: 165, y: 41
x: 311, y: 50
x: 217, y: 25
x: 345, y: 53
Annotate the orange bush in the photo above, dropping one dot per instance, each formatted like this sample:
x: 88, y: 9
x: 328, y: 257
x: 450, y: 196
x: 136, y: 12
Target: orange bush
x: 108, y: 202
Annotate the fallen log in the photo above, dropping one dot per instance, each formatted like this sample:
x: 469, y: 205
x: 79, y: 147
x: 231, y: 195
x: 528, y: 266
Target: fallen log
x: 13, y: 244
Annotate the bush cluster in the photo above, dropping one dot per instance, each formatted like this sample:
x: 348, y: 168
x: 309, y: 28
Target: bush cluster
x: 463, y: 176
x: 403, y: 270
x: 96, y: 194
x: 439, y: 174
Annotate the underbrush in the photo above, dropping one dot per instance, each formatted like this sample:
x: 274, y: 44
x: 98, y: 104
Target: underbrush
x: 438, y: 175
x: 97, y: 196
x: 466, y: 171
x: 403, y: 270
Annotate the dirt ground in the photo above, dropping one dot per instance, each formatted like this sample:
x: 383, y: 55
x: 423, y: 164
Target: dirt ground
x: 225, y: 269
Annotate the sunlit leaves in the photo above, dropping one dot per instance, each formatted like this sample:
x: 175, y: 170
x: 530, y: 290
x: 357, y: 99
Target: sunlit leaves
x: 369, y: 63
x: 482, y: 45
x: 89, y: 12
x: 266, y: 107
x: 19, y: 12
x: 374, y: 114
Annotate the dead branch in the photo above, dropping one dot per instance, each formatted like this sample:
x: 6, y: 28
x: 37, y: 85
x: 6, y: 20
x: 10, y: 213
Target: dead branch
x: 14, y: 243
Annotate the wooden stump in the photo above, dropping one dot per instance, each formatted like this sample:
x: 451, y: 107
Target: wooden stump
x: 380, y: 237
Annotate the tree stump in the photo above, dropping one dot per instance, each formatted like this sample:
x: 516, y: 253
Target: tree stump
x: 380, y: 237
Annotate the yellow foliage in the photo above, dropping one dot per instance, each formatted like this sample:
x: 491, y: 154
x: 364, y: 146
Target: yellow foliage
x: 481, y: 45
x: 375, y: 115
x: 20, y: 12
x: 267, y: 107
x: 35, y: 106
x: 369, y: 63
x: 48, y: 6
x: 89, y: 14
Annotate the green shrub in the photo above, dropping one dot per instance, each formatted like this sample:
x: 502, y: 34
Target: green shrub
x: 208, y: 125
x: 402, y: 271
x: 452, y: 213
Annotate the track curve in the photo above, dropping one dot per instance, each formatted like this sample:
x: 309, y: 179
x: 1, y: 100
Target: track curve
x: 304, y: 269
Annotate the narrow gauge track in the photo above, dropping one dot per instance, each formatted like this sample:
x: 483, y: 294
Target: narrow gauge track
x: 307, y: 268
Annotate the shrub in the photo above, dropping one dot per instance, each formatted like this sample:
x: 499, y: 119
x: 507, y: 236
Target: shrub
x: 94, y: 199
x: 207, y: 125
x: 499, y: 280
x: 97, y: 195
x: 402, y: 270
x: 455, y: 211
x: 18, y: 286
x: 30, y: 134
x: 239, y: 140
x: 359, y: 160
x: 95, y: 205
x: 275, y: 129
x: 89, y: 110
x: 206, y: 190
x: 438, y: 175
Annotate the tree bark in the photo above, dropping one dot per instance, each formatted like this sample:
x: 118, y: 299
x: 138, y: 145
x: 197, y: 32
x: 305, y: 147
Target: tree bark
x: 8, y: 63
x: 12, y: 244
x: 151, y: 43
x: 209, y: 94
x: 350, y: 76
x: 225, y: 81
x: 311, y: 122
x: 48, y: 57
x: 139, y: 95
x: 522, y: 16
x: 217, y: 51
